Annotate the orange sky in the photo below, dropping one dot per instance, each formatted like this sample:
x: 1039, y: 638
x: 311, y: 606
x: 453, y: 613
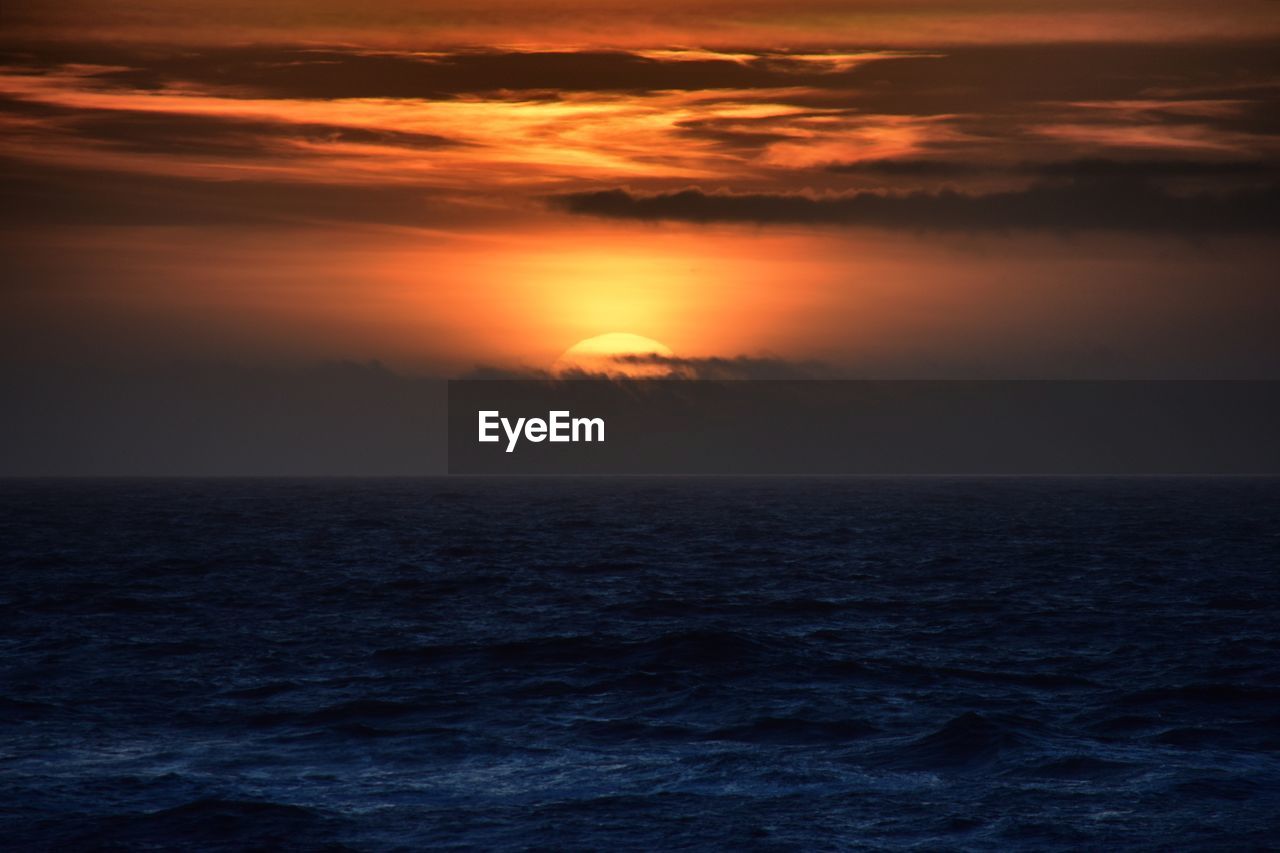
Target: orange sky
x: 916, y: 188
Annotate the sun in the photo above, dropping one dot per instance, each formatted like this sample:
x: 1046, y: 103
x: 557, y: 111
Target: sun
x: 607, y: 355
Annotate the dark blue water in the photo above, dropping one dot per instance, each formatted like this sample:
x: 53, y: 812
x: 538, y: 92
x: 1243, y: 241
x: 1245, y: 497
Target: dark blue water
x: 640, y: 665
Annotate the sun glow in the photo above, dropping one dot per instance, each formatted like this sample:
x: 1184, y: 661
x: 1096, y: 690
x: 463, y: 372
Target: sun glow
x: 608, y: 355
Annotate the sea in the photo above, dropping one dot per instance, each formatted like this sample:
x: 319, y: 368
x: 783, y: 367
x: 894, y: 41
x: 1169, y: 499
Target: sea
x: 640, y: 664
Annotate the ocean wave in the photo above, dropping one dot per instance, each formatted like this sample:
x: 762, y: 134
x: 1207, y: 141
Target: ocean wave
x: 966, y: 742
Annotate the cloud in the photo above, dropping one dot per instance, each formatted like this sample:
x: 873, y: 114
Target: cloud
x: 969, y: 79
x: 679, y: 368
x: 1081, y: 168
x: 1097, y: 167
x: 178, y: 133
x: 908, y: 167
x: 737, y: 367
x: 36, y: 195
x: 310, y: 72
x: 749, y: 117
x: 207, y: 129
x: 494, y: 373
x: 1075, y: 205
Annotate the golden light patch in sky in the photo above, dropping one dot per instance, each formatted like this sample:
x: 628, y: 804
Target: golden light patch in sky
x: 520, y: 299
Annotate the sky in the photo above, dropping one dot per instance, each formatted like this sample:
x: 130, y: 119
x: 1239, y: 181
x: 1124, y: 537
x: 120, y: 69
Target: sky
x: 910, y: 189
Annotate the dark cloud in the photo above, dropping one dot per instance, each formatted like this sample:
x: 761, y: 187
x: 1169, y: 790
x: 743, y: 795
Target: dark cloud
x: 177, y: 133
x: 1095, y: 167
x: 911, y: 168
x: 995, y: 79
x: 1076, y: 205
x: 678, y: 368
x: 36, y: 195
x: 731, y: 136
x: 738, y: 367
x: 336, y: 73
x: 156, y: 132
x: 1090, y: 167
x: 31, y: 109
x: 493, y: 373
x: 962, y: 79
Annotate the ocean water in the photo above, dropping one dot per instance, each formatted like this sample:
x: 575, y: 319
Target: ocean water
x: 640, y: 664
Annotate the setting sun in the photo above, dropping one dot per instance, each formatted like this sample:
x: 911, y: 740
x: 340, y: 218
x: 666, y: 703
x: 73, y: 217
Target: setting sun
x: 608, y: 355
